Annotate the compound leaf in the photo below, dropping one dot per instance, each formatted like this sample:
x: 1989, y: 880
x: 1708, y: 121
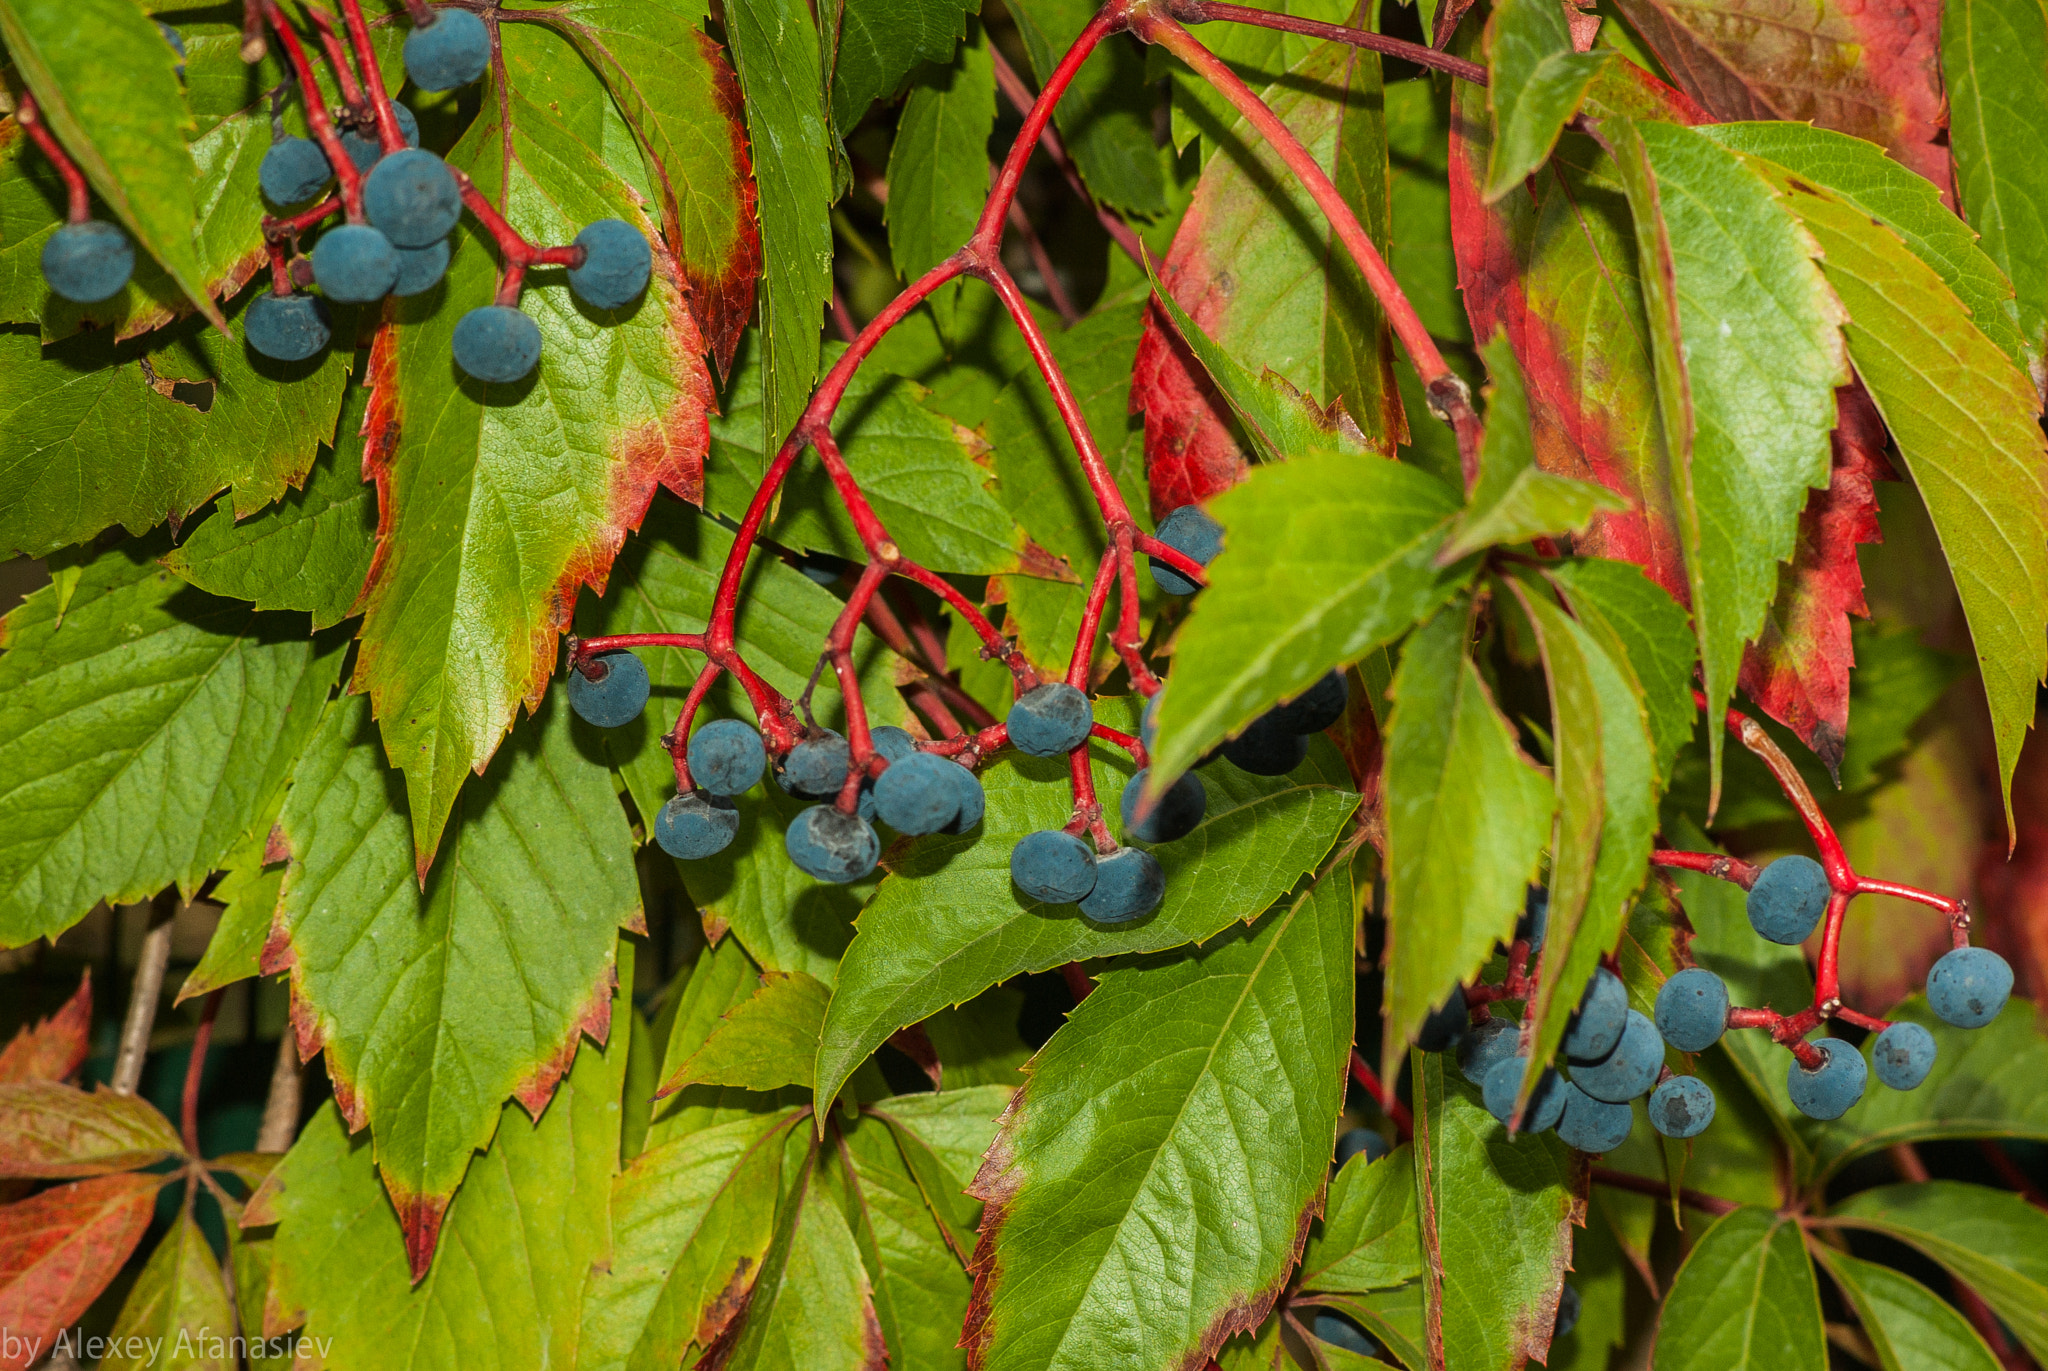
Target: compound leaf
x: 1637, y: 622
x: 1912, y: 1328
x: 1745, y: 1299
x: 938, y: 163
x: 813, y: 1303
x: 920, y: 1282
x: 51, y: 1129
x: 876, y: 43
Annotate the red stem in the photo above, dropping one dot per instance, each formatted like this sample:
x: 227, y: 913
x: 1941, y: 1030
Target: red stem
x: 1019, y: 95
x: 389, y: 136
x: 188, y: 1113
x: 1716, y: 864
x: 1199, y: 11
x: 29, y: 116
x: 337, y: 58
x: 1644, y: 1185
x: 1078, y: 984
x: 345, y: 172
x: 1389, y: 1103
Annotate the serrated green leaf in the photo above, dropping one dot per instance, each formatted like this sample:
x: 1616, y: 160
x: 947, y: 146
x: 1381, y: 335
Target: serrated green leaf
x: 1324, y: 559
x: 876, y: 43
x: 1991, y: 1240
x: 1748, y: 348
x: 1396, y: 1318
x: 938, y: 163
x: 1535, y: 81
x: 948, y: 923
x: 1367, y: 1239
x: 142, y: 738
x: 1994, y: 58
x: 1912, y: 1328
x: 1106, y: 114
x: 1637, y: 622
x: 406, y: 986
x: 920, y: 1281
x: 1496, y: 1219
x: 812, y: 1304
x: 766, y: 1043
x: 955, y: 1125
x: 1745, y: 1298
x: 177, y: 1315
x: 1467, y: 818
x: 1151, y: 1186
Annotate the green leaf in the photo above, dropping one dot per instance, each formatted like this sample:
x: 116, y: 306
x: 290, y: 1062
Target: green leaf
x: 1467, y: 818
x: 1748, y: 348
x: 406, y: 985
x: 1994, y: 58
x: 722, y: 980
x: 1514, y: 500
x: 938, y: 164
x: 768, y: 1042
x: 1260, y: 56
x: 812, y: 1304
x: 955, y: 1125
x: 977, y: 1043
x: 1637, y: 622
x: 947, y: 923
x: 141, y: 739
x: 876, y: 43
x: 1745, y: 1298
x: 1600, y: 1275
x: 1151, y: 1186
x: 1991, y: 1240
x: 1367, y: 1239
x: 1535, y: 83
x: 920, y: 1282
x: 1325, y: 558
x: 775, y: 45
x: 127, y: 136
x: 497, y: 503
x: 1912, y: 1328
x: 1419, y: 211
x: 1106, y: 114
x: 177, y: 1314
x: 1496, y: 1218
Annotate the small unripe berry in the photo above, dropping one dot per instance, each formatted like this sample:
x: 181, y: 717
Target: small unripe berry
x: 355, y: 264
x: 1682, y: 1107
x: 1601, y: 1016
x: 1193, y: 534
x: 293, y: 171
x: 364, y: 149
x: 616, y: 265
x: 915, y: 795
x: 689, y: 827
x: 420, y: 269
x: 1567, y: 1311
x: 1266, y: 748
x: 616, y: 696
x: 1692, y: 1009
x: 1316, y: 708
x: 88, y: 261
x: 496, y: 344
x: 1360, y: 1140
x: 726, y: 757
x: 411, y: 198
x: 815, y: 769
x: 1546, y: 1101
x: 831, y: 845
x: 972, y: 798
x: 1592, y: 1125
x: 1173, y: 815
x: 1445, y: 1024
x: 451, y: 51
x: 1339, y: 1331
x: 287, y: 328
x: 1627, y: 1071
x: 1485, y: 1043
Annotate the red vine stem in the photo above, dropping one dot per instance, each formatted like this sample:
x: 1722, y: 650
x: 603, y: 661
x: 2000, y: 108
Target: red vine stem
x: 29, y: 116
x: 344, y: 166
x: 388, y: 135
x: 1019, y: 95
x: 195, y: 1066
x: 1644, y: 1185
x: 1200, y: 11
x: 1389, y: 1103
x: 337, y: 58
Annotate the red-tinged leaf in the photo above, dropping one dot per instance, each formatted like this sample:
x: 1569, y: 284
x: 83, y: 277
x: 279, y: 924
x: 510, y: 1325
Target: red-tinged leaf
x: 58, y: 1250
x: 2014, y: 889
x: 1797, y: 671
x: 1272, y: 288
x: 1873, y: 70
x: 55, y: 1047
x: 48, y: 1129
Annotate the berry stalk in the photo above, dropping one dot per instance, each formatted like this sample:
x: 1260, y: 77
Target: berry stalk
x: 78, y: 196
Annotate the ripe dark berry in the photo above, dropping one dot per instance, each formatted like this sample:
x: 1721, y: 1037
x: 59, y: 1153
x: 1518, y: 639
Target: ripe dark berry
x: 1788, y: 899
x: 363, y: 148
x: 1535, y: 920
x: 1546, y: 1101
x: 891, y: 743
x: 1593, y: 1125
x: 1692, y: 1009
x: 1193, y: 534
x: 496, y: 344
x: 88, y: 261
x: 1485, y: 1043
x: 815, y: 769
x: 1682, y: 1107
x: 1601, y: 1016
x: 1053, y: 867
x: 1266, y: 748
x: 451, y: 51
x: 616, y: 694
x: 289, y: 328
x: 915, y: 795
x: 1627, y: 1071
x: 831, y: 845
x: 1316, y: 708
x: 1567, y: 1311
x: 411, y: 198
x: 616, y: 264
x: 1828, y: 1092
x: 1338, y: 1331
x: 1050, y: 720
x: 1128, y: 885
x: 420, y: 269
x: 1903, y: 1055
x: 973, y: 800
x: 726, y: 757
x: 356, y: 264
x: 1968, y: 986
x: 692, y: 826
x: 1445, y: 1024
x: 1357, y: 1140
x: 293, y: 171
x: 1174, y: 815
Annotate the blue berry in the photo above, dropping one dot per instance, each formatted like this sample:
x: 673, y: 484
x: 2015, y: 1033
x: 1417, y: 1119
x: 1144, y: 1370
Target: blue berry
x: 451, y: 51
x: 1627, y: 1071
x: 1567, y: 1311
x: 1128, y: 885
x: 1193, y: 534
x: 1828, y: 1092
x: 496, y: 344
x: 1445, y: 1025
x: 616, y: 264
x: 1053, y: 867
x: 1788, y: 899
x: 1593, y: 1125
x: 1050, y: 720
x: 815, y: 769
x: 1266, y: 748
x: 693, y: 826
x: 1535, y: 920
x: 821, y: 567
x: 1333, y: 1328
x: 293, y: 171
x: 1692, y: 1009
x: 289, y: 328
x: 355, y: 264
x: 1601, y: 1016
x: 1316, y: 708
x: 1546, y: 1101
x: 420, y: 269
x: 411, y: 198
x: 726, y: 757
x: 1968, y: 986
x: 363, y: 148
x: 973, y: 801
x: 1357, y: 1140
x: 915, y: 795
x: 1903, y: 1055
x: 1174, y: 815
x: 617, y: 694
x: 891, y: 743
x: 176, y: 40
x: 829, y: 844
x: 1682, y: 1107
x: 88, y: 261
x: 1485, y: 1043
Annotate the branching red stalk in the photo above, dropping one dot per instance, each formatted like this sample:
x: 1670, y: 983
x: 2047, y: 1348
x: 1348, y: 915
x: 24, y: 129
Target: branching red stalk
x: 315, y: 103
x: 195, y: 1066
x: 389, y: 136
x: 1020, y: 97
x: 1715, y: 864
x: 29, y: 115
x: 337, y: 58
